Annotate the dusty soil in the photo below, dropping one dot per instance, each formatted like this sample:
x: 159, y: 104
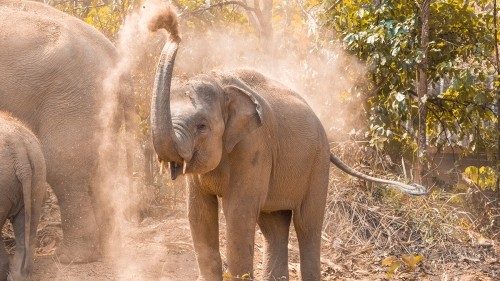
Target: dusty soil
x: 159, y: 248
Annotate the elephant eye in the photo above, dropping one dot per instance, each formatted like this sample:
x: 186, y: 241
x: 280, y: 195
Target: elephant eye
x: 201, y: 127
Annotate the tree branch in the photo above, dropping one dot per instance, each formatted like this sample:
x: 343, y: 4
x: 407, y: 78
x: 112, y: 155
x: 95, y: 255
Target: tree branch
x: 241, y: 4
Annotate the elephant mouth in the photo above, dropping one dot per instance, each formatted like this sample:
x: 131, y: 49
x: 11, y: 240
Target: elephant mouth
x: 177, y: 169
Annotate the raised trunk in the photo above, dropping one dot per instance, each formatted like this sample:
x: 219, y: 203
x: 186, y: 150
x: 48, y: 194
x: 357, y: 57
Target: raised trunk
x: 165, y: 141
x: 161, y: 122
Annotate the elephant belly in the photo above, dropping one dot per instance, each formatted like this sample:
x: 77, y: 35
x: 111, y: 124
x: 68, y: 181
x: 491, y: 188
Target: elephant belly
x: 288, y: 191
x: 300, y: 169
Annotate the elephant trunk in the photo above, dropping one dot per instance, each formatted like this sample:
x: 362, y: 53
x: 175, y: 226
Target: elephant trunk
x: 164, y: 138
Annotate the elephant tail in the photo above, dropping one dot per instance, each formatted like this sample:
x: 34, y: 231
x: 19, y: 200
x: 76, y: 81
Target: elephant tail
x: 24, y: 174
x: 31, y: 173
x: 413, y: 189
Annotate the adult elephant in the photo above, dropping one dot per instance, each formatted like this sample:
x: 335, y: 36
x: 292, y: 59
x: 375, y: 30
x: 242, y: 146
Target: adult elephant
x: 257, y: 145
x: 52, y: 68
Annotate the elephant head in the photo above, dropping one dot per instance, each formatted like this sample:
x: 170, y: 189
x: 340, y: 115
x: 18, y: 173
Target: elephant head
x: 195, y: 122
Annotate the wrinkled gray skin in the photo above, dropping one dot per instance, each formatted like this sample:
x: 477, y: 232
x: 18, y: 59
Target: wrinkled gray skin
x: 52, y: 68
x: 257, y: 145
x: 22, y: 187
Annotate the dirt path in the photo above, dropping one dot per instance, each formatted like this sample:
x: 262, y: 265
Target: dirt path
x: 159, y: 249
x: 155, y: 249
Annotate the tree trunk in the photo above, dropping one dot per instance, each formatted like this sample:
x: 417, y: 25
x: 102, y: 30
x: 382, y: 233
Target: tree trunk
x: 422, y: 163
x: 261, y: 20
x: 497, y: 64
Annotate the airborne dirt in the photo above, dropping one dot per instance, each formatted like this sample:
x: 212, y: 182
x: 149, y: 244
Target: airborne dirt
x: 159, y: 248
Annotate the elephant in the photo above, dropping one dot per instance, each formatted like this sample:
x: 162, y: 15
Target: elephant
x: 257, y: 145
x: 22, y: 188
x: 52, y: 72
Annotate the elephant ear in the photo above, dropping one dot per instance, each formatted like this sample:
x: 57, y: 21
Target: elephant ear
x: 244, y: 115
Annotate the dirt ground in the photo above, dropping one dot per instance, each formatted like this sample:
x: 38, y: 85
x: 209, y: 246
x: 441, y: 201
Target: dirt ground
x: 159, y: 248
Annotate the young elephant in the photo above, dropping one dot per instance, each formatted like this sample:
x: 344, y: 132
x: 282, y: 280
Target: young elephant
x: 254, y: 143
x: 22, y: 188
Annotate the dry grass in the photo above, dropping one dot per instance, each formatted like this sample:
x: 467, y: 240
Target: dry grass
x: 373, y: 223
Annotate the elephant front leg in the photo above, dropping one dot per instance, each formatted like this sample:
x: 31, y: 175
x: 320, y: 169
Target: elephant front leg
x: 241, y: 220
x: 204, y: 224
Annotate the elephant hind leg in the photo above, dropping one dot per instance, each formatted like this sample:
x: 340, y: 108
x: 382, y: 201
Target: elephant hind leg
x: 80, y: 242
x: 275, y: 227
x: 4, y: 261
x: 4, y: 258
x: 309, y: 238
x: 80, y: 237
x: 308, y: 223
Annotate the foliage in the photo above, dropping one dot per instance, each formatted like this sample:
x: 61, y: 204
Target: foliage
x: 227, y: 275
x: 197, y: 15
x: 461, y: 72
x: 484, y: 177
x: 410, y: 261
x: 107, y: 15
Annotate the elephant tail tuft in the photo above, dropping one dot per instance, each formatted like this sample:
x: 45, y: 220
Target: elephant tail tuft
x: 166, y: 19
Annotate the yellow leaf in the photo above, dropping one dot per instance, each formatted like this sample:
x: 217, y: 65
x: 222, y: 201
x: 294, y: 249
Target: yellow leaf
x: 227, y: 275
x: 411, y: 261
x: 388, y: 261
x: 394, y: 266
x: 246, y: 275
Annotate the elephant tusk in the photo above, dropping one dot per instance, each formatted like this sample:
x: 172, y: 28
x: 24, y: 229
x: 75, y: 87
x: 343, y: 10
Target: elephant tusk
x: 184, y: 166
x: 162, y: 164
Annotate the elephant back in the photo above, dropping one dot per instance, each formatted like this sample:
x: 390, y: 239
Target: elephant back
x: 49, y: 59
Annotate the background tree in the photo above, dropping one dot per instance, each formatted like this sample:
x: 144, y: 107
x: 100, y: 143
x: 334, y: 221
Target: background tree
x: 460, y: 70
x: 422, y: 86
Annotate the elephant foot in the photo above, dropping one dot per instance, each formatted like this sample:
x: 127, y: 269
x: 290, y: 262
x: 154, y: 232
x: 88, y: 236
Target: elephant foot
x: 74, y: 255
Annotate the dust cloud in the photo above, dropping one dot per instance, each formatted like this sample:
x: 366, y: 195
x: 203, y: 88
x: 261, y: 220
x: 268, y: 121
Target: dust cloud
x: 121, y: 193
x: 327, y: 78
x: 331, y: 81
